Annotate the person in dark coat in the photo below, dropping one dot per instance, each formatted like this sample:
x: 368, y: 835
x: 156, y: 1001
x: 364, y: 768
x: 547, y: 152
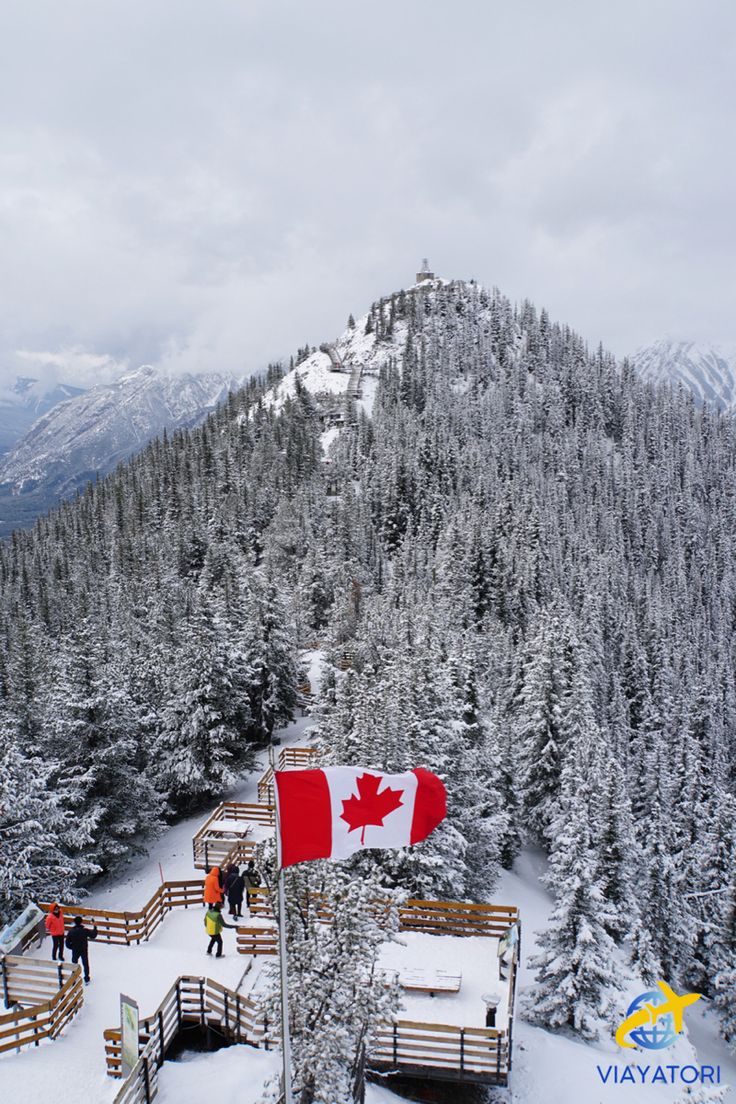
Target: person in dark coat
x: 77, y: 942
x: 235, y: 892
x: 252, y: 881
x: 231, y: 873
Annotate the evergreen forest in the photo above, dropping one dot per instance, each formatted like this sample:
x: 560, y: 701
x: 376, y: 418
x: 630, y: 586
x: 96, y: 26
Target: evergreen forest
x: 527, y: 554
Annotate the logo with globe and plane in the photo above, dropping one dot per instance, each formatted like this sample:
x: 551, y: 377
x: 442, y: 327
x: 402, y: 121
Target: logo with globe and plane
x: 654, y: 1019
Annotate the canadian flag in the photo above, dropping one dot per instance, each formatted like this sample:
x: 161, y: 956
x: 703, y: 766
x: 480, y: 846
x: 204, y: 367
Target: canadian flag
x: 332, y: 813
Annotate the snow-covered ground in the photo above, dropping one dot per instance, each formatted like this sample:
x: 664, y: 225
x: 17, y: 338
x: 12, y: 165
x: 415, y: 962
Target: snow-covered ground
x: 474, y: 959
x: 233, y: 1076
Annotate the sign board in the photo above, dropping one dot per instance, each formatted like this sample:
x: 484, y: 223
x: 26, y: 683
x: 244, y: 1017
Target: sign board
x: 13, y: 935
x: 128, y: 1033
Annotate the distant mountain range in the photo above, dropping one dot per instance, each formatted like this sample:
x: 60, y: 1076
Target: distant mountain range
x: 25, y: 401
x: 90, y: 432
x: 707, y: 371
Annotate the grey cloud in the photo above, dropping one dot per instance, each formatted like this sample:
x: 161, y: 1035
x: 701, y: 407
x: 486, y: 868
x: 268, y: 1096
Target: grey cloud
x: 211, y: 185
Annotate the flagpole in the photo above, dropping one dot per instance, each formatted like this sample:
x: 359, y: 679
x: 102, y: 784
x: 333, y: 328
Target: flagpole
x: 285, y: 1036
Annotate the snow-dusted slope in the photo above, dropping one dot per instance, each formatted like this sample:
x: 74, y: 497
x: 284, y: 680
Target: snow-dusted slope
x: 354, y: 348
x: 95, y: 430
x: 709, y: 372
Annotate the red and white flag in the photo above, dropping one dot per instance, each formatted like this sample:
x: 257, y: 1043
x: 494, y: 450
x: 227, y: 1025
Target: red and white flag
x: 332, y: 813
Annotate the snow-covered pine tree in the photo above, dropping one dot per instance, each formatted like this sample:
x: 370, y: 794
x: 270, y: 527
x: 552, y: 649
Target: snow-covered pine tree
x: 337, y: 994
x: 575, y: 969
x: 40, y: 841
x: 539, y: 710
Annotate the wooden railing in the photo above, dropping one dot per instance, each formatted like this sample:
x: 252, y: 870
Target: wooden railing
x: 475, y: 1054
x: 125, y: 928
x: 213, y: 846
x: 457, y: 918
x: 299, y: 757
x: 257, y: 941
x: 191, y: 1002
x: 136, y: 927
x: 265, y: 787
x: 49, y: 995
x: 434, y: 917
x: 345, y: 659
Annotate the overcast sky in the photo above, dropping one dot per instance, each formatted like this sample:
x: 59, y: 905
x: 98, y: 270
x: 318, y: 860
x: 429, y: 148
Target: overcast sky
x: 210, y: 184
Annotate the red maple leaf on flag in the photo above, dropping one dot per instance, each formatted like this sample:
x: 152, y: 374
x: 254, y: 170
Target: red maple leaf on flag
x: 370, y: 807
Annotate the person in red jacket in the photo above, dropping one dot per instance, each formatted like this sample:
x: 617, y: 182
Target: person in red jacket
x: 213, y: 887
x: 55, y: 927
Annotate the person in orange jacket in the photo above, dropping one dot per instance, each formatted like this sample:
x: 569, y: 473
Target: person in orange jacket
x: 55, y: 927
x: 213, y: 887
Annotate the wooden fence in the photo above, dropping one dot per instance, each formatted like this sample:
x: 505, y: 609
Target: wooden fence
x: 191, y: 1002
x: 47, y: 995
x: 457, y: 918
x: 300, y: 757
x: 265, y: 787
x: 441, y: 1051
x: 433, y: 917
x: 126, y: 928
x: 257, y: 941
x: 137, y: 927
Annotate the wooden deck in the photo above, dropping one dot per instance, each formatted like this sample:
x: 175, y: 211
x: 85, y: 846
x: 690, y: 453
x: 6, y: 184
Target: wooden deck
x: 131, y: 928
x: 218, y: 846
x: 465, y: 1052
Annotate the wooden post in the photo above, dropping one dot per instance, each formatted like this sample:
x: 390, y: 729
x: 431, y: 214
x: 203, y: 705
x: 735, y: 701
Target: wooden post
x: 146, y: 1081
x: 6, y: 995
x: 462, y: 1049
x: 162, y: 1053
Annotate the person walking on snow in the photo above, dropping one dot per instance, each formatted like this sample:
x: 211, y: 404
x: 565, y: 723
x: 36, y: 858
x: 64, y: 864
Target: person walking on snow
x: 230, y: 874
x: 213, y: 887
x: 235, y: 892
x: 55, y: 927
x: 214, y: 923
x: 78, y: 943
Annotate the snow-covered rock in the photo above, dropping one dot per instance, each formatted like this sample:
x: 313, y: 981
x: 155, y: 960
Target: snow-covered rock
x: 707, y: 371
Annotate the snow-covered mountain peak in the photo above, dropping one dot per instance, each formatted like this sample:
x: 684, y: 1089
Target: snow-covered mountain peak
x: 708, y: 371
x: 350, y: 364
